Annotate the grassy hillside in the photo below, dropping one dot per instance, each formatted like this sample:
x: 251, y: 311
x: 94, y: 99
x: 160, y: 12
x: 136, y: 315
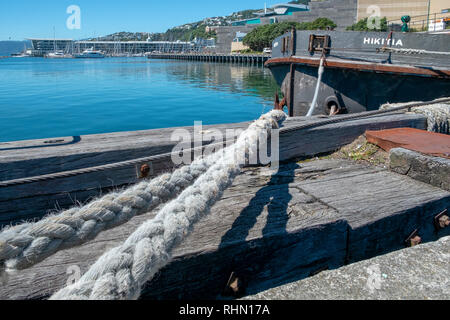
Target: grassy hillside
x: 184, y: 32
x: 188, y: 31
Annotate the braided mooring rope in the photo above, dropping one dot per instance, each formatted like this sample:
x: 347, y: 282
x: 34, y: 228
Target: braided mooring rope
x: 121, y: 272
x: 438, y: 115
x: 27, y: 244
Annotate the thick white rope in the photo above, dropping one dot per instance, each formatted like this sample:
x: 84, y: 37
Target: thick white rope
x: 438, y: 115
x: 121, y: 272
x: 316, y: 93
x: 27, y: 244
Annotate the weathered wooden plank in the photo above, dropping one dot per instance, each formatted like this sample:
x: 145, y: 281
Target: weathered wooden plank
x: 21, y: 159
x: 207, y: 236
x: 271, y: 229
x: 333, y: 136
x: 367, y: 202
x: 17, y: 158
x: 38, y: 198
x: 34, y: 200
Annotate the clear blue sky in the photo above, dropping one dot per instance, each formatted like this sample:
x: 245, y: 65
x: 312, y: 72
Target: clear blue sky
x: 21, y: 19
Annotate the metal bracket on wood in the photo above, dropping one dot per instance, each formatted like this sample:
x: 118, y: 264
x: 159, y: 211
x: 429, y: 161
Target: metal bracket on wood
x: 284, y: 44
x: 235, y: 286
x: 413, y: 239
x: 54, y: 141
x: 291, y: 95
x: 277, y: 104
x: 441, y: 221
x: 319, y: 43
x: 293, y: 43
x: 144, y: 170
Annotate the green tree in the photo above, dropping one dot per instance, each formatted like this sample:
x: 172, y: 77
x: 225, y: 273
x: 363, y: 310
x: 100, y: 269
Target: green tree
x: 322, y: 24
x: 362, y: 25
x: 200, y: 32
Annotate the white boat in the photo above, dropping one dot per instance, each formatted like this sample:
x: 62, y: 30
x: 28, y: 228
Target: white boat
x: 90, y: 53
x: 58, y: 54
x: 22, y: 54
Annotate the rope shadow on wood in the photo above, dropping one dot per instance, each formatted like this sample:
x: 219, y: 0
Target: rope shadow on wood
x: 276, y: 197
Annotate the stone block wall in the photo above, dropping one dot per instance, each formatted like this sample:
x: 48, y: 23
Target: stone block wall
x: 225, y: 36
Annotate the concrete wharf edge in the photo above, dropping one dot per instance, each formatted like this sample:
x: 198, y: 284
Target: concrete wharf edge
x: 417, y: 273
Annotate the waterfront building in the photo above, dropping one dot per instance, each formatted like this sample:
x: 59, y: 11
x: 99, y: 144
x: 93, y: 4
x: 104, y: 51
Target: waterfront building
x: 205, y: 43
x: 135, y: 47
x: 273, y: 16
x: 238, y: 45
x: 342, y: 12
x: 287, y: 9
x: 393, y: 10
x: 41, y: 47
x: 432, y: 13
x: 346, y: 12
x: 422, y: 12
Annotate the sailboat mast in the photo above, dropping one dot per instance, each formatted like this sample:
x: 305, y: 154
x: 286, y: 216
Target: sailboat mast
x: 54, y: 39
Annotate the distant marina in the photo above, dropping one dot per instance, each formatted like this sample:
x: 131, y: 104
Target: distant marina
x: 71, y: 48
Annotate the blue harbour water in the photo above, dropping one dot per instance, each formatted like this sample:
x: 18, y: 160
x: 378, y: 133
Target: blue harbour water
x: 45, y: 98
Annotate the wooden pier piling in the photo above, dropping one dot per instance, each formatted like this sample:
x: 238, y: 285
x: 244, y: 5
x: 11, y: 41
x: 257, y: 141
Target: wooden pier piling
x: 248, y: 59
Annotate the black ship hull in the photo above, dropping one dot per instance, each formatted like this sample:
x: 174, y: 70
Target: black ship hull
x: 356, y: 80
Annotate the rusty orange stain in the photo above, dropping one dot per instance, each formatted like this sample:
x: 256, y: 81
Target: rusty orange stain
x: 360, y: 66
x: 435, y: 144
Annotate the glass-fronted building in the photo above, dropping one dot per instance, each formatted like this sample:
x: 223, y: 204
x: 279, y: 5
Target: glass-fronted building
x: 272, y: 15
x: 40, y: 47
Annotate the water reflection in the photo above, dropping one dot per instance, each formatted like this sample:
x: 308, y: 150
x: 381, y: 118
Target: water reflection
x: 244, y: 78
x: 43, y: 98
x: 253, y: 80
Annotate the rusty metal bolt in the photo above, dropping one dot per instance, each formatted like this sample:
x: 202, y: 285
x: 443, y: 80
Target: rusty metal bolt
x: 53, y: 141
x: 413, y: 240
x: 442, y: 220
x: 235, y: 286
x: 145, y: 170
